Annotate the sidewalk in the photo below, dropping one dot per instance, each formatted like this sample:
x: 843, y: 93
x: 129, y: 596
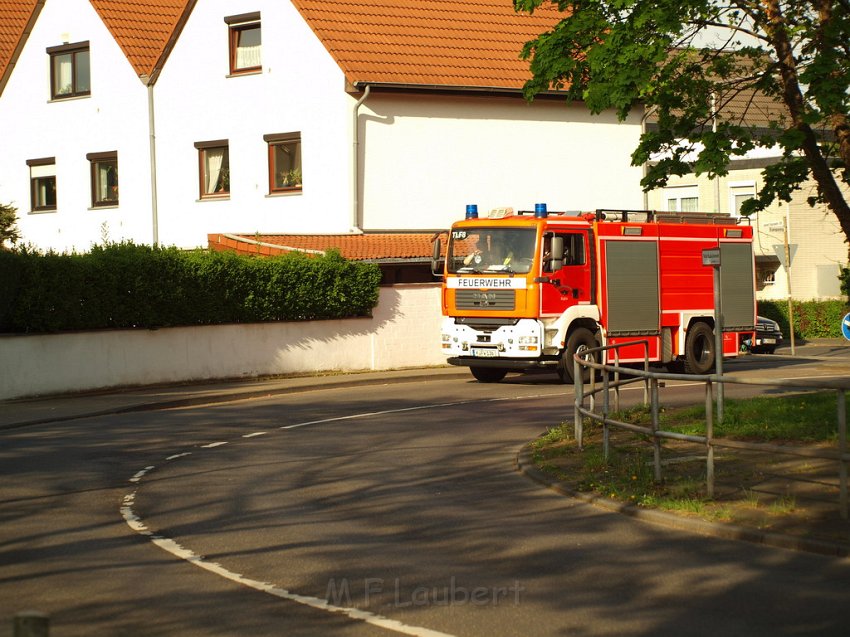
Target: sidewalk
x: 33, y: 411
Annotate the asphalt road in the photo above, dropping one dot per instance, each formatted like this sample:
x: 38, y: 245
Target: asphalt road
x: 377, y: 510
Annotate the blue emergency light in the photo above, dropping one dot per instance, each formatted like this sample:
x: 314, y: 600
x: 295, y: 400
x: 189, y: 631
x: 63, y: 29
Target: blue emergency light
x: 540, y: 210
x: 471, y: 211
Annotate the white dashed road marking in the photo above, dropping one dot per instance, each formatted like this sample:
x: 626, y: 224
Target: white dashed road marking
x: 169, y: 545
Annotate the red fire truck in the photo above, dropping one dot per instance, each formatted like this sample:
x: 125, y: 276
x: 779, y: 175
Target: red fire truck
x: 531, y: 289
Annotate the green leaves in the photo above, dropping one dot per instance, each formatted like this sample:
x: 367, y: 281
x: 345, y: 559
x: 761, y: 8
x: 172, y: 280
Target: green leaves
x: 8, y: 229
x: 129, y: 286
x: 714, y: 81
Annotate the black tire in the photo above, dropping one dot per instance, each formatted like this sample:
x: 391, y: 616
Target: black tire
x: 700, y: 352
x: 488, y: 374
x: 579, y: 340
x: 770, y: 350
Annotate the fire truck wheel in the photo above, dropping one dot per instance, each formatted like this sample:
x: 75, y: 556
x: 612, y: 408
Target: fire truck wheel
x: 581, y: 340
x: 699, y: 349
x: 488, y: 374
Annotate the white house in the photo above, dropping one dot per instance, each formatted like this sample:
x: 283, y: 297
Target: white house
x: 275, y: 117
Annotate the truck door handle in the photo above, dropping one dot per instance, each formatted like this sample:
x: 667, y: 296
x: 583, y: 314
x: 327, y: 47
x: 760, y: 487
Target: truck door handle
x: 546, y: 279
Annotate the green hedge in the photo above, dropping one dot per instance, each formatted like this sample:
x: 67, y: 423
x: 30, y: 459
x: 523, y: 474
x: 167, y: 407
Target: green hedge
x: 126, y: 285
x: 812, y: 319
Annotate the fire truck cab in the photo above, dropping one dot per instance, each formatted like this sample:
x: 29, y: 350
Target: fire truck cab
x: 531, y: 289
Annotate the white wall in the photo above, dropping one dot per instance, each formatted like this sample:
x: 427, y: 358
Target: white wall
x: 113, y: 118
x: 300, y: 89
x: 426, y: 157
x: 403, y: 332
x: 423, y: 157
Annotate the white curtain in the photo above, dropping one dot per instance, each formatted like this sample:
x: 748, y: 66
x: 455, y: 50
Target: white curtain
x: 248, y: 49
x: 63, y: 68
x: 214, y: 159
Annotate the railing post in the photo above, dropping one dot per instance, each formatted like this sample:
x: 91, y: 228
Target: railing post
x: 578, y: 423
x: 605, y: 404
x: 646, y: 378
x: 617, y: 380
x: 842, y: 449
x: 656, y: 441
x: 709, y: 441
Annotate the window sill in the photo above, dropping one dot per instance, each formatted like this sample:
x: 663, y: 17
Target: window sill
x: 70, y: 98
x: 285, y: 193
x: 244, y: 73
x: 111, y: 206
x: 213, y: 198
x: 42, y: 211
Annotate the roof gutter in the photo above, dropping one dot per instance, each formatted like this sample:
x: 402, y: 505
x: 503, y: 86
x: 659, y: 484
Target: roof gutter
x: 355, y: 177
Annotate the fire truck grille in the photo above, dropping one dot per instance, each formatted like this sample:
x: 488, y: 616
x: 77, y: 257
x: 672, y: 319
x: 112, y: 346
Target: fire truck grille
x: 485, y: 300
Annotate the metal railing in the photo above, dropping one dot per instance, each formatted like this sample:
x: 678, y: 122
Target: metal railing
x: 583, y: 362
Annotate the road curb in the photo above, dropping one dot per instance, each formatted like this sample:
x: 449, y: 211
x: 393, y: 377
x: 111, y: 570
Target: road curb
x: 525, y: 465
x: 223, y: 396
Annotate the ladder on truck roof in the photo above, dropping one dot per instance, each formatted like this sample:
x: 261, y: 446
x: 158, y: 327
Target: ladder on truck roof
x: 659, y: 216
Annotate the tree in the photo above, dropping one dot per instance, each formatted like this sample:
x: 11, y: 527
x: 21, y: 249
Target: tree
x: 8, y: 230
x: 684, y: 60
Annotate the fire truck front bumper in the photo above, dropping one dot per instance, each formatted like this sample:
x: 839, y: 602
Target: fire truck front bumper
x: 493, y: 342
x: 503, y: 363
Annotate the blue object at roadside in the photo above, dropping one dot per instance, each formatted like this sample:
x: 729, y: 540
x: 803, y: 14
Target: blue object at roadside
x: 845, y: 326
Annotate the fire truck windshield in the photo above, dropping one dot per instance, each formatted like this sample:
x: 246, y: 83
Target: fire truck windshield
x: 477, y: 250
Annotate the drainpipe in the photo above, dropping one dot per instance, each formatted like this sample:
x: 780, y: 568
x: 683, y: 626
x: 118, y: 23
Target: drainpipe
x: 355, y: 208
x: 152, y: 140
x: 645, y: 167
x: 716, y: 179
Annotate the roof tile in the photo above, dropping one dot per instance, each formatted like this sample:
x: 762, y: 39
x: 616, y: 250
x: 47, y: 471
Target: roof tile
x: 357, y: 247
x: 14, y: 17
x: 142, y: 28
x: 428, y: 42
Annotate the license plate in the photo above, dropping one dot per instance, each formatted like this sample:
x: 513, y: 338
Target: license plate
x: 484, y: 353
x: 768, y: 341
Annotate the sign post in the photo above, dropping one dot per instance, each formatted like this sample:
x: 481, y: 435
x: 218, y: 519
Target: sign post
x: 711, y: 257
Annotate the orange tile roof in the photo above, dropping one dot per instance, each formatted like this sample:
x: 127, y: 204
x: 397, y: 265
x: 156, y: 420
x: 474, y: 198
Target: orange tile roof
x: 385, y: 247
x: 143, y: 28
x: 15, y: 18
x: 433, y: 43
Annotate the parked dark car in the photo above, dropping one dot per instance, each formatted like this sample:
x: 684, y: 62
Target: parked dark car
x: 768, y: 337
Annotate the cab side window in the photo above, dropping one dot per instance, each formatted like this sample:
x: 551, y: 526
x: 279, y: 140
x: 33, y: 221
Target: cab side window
x: 574, y: 252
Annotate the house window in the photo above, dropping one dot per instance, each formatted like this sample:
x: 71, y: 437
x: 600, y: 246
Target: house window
x: 214, y: 162
x: 245, y: 43
x: 739, y: 192
x: 70, y: 73
x: 682, y: 199
x: 284, y: 162
x: 104, y: 179
x: 42, y: 184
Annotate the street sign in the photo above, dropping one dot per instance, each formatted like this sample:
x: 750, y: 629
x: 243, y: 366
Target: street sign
x: 845, y: 326
x: 711, y: 256
x: 780, y: 253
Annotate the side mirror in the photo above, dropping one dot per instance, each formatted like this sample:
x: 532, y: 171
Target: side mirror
x: 436, y: 258
x: 557, y: 254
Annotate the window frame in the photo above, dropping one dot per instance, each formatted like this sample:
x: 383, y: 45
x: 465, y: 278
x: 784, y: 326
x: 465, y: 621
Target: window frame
x: 95, y: 161
x: 41, y: 166
x: 739, y: 186
x: 677, y: 194
x: 55, y: 52
x: 281, y: 139
x: 236, y: 26
x: 203, y: 149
